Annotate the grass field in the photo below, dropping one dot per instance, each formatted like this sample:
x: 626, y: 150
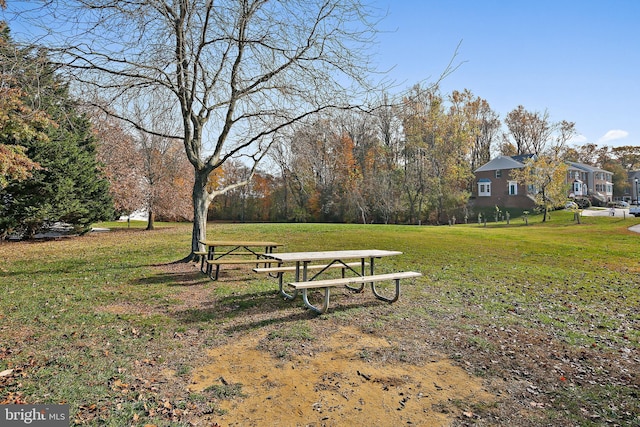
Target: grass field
x: 547, y: 315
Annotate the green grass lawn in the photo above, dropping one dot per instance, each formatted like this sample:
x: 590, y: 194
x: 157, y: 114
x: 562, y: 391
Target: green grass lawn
x: 551, y: 307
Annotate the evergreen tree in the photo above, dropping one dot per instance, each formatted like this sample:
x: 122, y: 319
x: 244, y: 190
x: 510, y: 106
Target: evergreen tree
x: 70, y: 187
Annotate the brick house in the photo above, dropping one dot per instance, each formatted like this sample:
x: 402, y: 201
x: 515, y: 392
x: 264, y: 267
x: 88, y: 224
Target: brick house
x: 494, y: 184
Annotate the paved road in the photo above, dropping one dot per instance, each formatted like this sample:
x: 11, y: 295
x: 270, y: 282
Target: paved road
x: 620, y: 213
x: 605, y: 212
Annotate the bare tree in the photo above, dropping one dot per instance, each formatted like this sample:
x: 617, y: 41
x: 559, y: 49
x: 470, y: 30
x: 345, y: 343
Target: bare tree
x: 534, y: 133
x: 121, y: 160
x: 163, y: 164
x: 236, y: 73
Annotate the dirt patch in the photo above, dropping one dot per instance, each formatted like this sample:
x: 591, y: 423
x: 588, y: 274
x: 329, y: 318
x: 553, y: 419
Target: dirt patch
x: 334, y: 387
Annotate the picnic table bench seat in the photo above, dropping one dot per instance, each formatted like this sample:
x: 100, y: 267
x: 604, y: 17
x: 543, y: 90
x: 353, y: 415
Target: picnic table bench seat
x: 233, y: 261
x: 289, y: 268
x: 327, y: 284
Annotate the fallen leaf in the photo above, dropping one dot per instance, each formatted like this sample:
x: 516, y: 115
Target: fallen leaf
x: 119, y: 384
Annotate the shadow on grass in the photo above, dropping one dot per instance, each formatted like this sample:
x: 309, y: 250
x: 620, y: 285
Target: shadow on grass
x: 246, y: 308
x: 180, y: 278
x: 254, y: 310
x: 249, y: 304
x: 50, y: 268
x: 303, y: 314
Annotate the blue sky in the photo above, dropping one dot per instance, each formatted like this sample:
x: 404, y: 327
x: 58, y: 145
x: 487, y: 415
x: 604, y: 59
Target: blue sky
x: 579, y: 60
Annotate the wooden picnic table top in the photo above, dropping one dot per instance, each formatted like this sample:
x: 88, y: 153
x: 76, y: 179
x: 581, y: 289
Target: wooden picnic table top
x: 331, y: 255
x: 239, y: 243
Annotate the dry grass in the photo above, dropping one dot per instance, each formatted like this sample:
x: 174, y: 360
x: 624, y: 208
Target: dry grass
x: 545, y: 316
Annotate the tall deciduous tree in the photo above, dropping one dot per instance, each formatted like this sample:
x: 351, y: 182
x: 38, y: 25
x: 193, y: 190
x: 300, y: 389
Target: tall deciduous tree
x: 437, y: 156
x: 480, y: 122
x: 528, y: 131
x: 628, y: 156
x: 236, y: 72
x: 547, y: 175
x: 17, y: 123
x: 534, y: 133
x: 121, y: 162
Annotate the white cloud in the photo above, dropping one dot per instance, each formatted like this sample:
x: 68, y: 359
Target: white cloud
x: 578, y: 139
x: 613, y: 135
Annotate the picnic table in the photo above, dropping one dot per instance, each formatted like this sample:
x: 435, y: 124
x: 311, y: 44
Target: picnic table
x: 333, y: 259
x: 219, y: 252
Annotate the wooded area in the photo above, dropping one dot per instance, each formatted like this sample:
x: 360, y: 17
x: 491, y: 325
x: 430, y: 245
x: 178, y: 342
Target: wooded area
x: 408, y: 162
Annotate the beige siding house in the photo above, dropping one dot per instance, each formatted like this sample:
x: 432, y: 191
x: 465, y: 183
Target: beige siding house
x: 591, y: 182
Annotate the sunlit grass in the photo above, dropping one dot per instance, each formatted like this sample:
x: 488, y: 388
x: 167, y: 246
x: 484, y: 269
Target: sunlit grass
x: 579, y: 282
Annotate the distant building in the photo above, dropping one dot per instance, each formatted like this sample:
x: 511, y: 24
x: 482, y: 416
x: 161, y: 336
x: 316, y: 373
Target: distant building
x: 591, y: 182
x: 634, y: 187
x: 495, y: 185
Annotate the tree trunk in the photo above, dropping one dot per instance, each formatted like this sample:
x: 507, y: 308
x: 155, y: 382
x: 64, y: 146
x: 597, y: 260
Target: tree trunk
x: 151, y: 220
x: 200, y: 208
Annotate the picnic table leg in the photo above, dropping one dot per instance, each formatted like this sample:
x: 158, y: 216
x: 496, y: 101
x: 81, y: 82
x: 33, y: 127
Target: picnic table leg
x: 281, y: 283
x: 210, y: 255
x: 362, y: 273
x: 210, y: 272
x: 282, y: 291
x: 202, y: 263
x: 383, y: 298
x: 325, y: 305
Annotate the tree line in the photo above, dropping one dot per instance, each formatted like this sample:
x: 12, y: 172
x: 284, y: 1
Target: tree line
x: 410, y: 161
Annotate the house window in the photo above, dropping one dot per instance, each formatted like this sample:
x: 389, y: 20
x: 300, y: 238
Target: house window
x: 513, y: 188
x: 484, y: 189
x: 498, y: 173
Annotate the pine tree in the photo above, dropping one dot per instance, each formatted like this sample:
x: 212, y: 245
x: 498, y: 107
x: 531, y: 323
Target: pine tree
x: 70, y: 187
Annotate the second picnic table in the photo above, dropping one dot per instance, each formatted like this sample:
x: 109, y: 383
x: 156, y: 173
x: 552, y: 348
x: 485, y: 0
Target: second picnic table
x: 225, y: 252
x: 303, y: 264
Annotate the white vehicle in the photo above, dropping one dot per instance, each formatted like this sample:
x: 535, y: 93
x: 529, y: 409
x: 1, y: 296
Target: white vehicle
x: 634, y: 210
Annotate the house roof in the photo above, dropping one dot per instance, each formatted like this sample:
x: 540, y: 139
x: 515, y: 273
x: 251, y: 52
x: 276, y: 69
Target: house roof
x: 502, y: 162
x: 517, y: 162
x: 587, y: 168
x: 523, y: 157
